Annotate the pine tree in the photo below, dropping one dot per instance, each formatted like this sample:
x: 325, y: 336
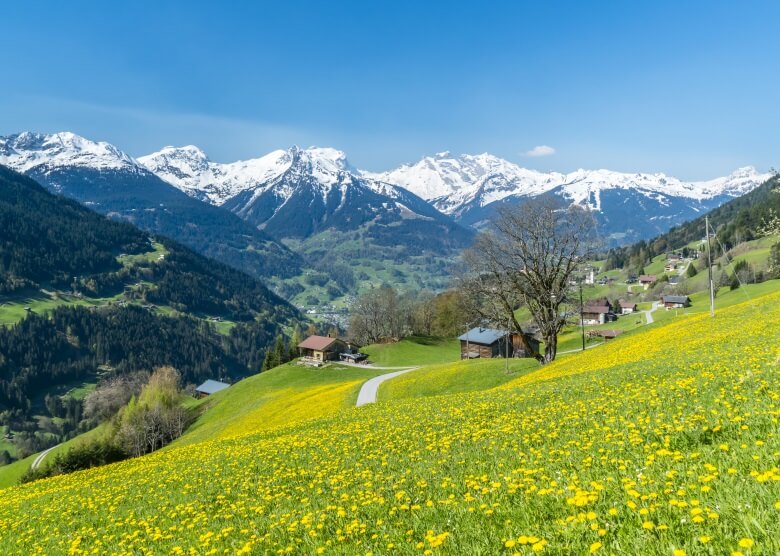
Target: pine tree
x: 280, y: 351
x: 296, y: 339
x: 266, y: 361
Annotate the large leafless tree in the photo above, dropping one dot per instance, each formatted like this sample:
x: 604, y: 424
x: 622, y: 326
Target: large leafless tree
x: 528, y: 258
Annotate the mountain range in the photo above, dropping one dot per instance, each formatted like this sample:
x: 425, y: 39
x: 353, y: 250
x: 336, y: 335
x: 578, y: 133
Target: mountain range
x: 294, y: 212
x: 628, y: 206
x: 468, y: 188
x: 298, y: 193
x: 111, y: 182
x: 272, y: 191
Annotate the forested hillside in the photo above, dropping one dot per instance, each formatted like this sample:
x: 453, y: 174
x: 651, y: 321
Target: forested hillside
x: 741, y: 219
x: 55, y: 242
x: 117, y: 302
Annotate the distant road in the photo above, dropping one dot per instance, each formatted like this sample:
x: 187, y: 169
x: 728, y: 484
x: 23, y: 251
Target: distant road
x: 649, y: 312
x: 39, y: 460
x: 369, y: 389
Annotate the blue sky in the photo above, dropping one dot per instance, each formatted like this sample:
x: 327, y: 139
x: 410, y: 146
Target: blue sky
x: 687, y: 88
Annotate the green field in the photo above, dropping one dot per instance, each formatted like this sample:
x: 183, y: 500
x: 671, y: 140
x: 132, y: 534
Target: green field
x: 463, y: 376
x: 414, y: 350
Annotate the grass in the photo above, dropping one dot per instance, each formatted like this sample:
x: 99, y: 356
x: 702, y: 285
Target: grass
x: 11, y: 474
x: 414, y: 350
x: 661, y: 442
x: 146, y: 258
x: 449, y: 378
x: 281, y: 396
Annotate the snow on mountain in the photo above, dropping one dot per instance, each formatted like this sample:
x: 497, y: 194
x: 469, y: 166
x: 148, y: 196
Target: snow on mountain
x: 456, y: 184
x: 189, y: 169
x: 36, y: 151
x: 305, y: 189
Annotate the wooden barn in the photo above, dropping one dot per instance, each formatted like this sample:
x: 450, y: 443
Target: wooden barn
x: 489, y: 342
x: 676, y: 301
x: 210, y: 387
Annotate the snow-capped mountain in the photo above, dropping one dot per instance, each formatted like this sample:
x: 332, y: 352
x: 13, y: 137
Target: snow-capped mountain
x: 297, y: 193
x: 189, y: 169
x: 36, y: 151
x: 113, y: 183
x: 631, y: 206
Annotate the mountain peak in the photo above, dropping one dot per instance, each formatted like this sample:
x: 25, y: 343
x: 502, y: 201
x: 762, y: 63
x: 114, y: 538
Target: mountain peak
x: 28, y: 150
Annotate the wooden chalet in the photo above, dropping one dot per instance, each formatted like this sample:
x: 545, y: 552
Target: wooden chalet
x: 320, y: 349
x: 489, y: 342
x: 676, y: 301
x: 647, y: 280
x: 597, y: 311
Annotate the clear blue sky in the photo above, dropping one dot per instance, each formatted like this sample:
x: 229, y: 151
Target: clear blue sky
x: 688, y: 88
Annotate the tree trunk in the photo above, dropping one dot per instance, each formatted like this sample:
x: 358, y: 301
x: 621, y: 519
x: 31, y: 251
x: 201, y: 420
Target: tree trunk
x: 550, y: 348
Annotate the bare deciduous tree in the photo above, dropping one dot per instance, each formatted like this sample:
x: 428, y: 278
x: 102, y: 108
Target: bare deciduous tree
x: 528, y: 258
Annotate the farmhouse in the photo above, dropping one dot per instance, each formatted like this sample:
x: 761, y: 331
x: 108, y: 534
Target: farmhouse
x: 674, y: 280
x: 210, y: 387
x: 597, y: 311
x: 647, y: 280
x: 488, y: 342
x: 482, y: 342
x: 627, y: 307
x: 676, y: 301
x: 322, y: 348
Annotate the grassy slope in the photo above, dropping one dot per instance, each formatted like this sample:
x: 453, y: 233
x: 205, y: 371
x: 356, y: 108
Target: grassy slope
x: 449, y: 378
x: 416, y: 350
x: 10, y: 474
x: 281, y: 396
x: 659, y: 441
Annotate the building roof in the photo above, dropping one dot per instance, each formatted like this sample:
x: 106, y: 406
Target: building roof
x: 676, y: 299
x: 211, y: 387
x: 318, y: 343
x: 647, y: 278
x: 600, y: 309
x: 484, y: 336
x: 627, y: 304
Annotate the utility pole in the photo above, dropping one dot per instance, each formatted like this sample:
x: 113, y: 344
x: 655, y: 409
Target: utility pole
x: 709, y: 267
x: 468, y: 352
x: 506, y: 347
x: 582, y: 317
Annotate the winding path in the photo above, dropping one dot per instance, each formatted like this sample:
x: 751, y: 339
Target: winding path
x: 370, y: 387
x: 649, y: 312
x: 39, y: 460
